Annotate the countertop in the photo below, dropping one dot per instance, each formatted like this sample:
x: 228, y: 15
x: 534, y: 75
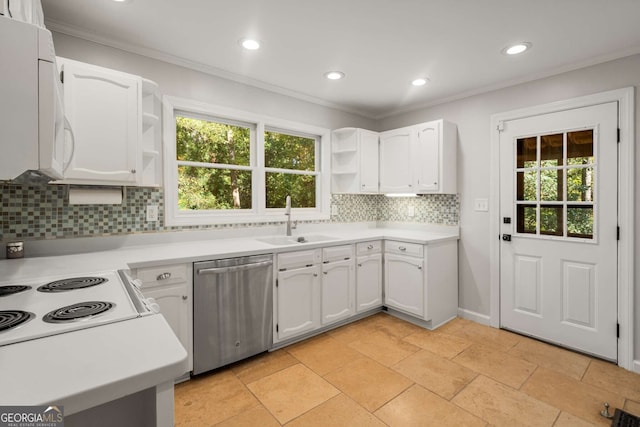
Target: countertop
x: 150, y: 255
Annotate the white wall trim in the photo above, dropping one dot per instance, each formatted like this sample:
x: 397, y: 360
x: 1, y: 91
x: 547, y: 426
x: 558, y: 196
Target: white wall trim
x: 483, y: 319
x: 636, y: 366
x: 625, y: 99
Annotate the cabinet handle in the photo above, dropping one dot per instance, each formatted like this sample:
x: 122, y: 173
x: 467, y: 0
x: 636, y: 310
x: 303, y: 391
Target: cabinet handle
x: 315, y: 274
x: 419, y: 267
x: 163, y: 276
x: 435, y: 183
x: 402, y: 248
x: 325, y: 272
x: 370, y: 247
x: 184, y: 297
x: 133, y: 171
x: 359, y: 265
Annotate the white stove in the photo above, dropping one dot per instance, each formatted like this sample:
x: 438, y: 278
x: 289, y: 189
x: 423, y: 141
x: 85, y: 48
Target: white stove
x: 54, y: 305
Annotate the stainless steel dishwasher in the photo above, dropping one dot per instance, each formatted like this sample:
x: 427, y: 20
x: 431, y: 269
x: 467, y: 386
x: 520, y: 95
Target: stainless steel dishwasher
x: 232, y: 310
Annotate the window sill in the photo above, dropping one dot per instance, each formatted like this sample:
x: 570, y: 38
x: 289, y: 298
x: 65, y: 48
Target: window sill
x: 195, y: 219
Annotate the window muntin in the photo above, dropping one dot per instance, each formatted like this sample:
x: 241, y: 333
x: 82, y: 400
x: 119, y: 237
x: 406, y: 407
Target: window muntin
x: 555, y: 189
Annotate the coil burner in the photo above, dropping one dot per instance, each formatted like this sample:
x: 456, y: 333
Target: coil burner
x: 71, y: 284
x: 80, y: 311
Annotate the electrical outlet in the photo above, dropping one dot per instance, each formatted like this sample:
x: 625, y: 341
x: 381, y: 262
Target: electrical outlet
x: 481, y: 205
x: 152, y: 213
x: 411, y: 211
x: 334, y: 209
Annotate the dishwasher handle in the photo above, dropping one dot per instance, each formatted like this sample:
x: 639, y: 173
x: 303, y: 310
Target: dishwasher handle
x: 235, y: 268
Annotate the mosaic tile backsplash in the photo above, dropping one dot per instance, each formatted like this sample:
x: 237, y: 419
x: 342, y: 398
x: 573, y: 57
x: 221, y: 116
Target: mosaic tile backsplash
x: 42, y: 212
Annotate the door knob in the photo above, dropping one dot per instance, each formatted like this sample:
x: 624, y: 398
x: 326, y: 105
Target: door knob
x: 506, y: 237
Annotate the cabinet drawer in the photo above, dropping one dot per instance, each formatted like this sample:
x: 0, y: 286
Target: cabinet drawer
x: 163, y: 275
x: 337, y: 253
x: 366, y: 248
x: 410, y: 249
x: 299, y: 259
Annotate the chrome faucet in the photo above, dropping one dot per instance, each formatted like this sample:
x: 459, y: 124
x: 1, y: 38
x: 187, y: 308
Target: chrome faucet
x: 287, y: 212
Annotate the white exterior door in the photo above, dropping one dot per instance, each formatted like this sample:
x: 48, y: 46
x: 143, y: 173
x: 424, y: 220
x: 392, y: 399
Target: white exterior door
x: 558, y: 208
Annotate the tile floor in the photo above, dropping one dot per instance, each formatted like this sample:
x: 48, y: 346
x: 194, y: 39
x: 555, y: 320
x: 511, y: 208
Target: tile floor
x: 384, y: 371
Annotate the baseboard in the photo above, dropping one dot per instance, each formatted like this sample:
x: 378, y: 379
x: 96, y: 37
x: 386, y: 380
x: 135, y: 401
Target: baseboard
x: 636, y: 366
x: 483, y: 319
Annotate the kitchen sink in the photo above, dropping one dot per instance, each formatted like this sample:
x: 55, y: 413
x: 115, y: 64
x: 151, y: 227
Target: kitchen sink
x: 293, y: 240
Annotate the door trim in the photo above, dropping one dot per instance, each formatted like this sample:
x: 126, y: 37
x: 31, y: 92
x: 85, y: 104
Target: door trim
x: 626, y: 156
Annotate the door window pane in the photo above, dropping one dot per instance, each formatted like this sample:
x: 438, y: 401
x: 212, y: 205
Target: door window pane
x: 551, y: 150
x: 580, y: 221
x: 526, y: 218
x: 301, y: 188
x: 551, y: 185
x: 526, y: 183
x: 580, y: 147
x: 210, y: 189
x: 527, y: 152
x: 551, y: 220
x: 580, y: 184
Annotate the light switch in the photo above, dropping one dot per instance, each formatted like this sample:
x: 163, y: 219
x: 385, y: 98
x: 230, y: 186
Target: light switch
x: 481, y: 205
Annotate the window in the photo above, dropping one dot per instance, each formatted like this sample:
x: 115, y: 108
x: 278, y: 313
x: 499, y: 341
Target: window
x: 227, y: 166
x: 555, y: 183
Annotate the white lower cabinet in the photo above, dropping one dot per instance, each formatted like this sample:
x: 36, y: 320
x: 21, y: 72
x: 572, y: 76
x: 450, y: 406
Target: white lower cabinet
x: 368, y: 275
x: 404, y: 280
x: 171, y: 287
x: 317, y: 288
x: 297, y: 294
x: 422, y: 280
x: 338, y: 284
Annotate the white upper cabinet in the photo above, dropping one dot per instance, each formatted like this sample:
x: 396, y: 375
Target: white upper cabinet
x: 436, y: 156
x: 396, y: 165
x: 354, y: 161
x: 419, y: 159
x: 104, y: 110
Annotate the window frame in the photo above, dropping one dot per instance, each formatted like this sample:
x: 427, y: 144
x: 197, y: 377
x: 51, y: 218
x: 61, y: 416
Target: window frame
x: 173, y: 106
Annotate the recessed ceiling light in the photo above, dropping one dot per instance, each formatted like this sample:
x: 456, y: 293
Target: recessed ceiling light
x: 334, y: 75
x: 250, y: 44
x: 123, y: 1
x: 516, y: 48
x: 420, y: 81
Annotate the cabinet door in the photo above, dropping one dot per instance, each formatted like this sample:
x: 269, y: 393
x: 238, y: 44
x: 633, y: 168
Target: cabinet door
x: 427, y: 158
x: 298, y: 299
x: 396, y: 175
x: 369, y: 157
x: 369, y: 282
x: 103, y: 107
x: 404, y: 288
x: 338, y: 291
x: 175, y: 307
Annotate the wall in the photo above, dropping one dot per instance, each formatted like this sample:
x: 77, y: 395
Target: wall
x: 472, y: 115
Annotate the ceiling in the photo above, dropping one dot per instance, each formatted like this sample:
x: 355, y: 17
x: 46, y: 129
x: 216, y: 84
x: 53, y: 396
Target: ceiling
x: 381, y: 45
